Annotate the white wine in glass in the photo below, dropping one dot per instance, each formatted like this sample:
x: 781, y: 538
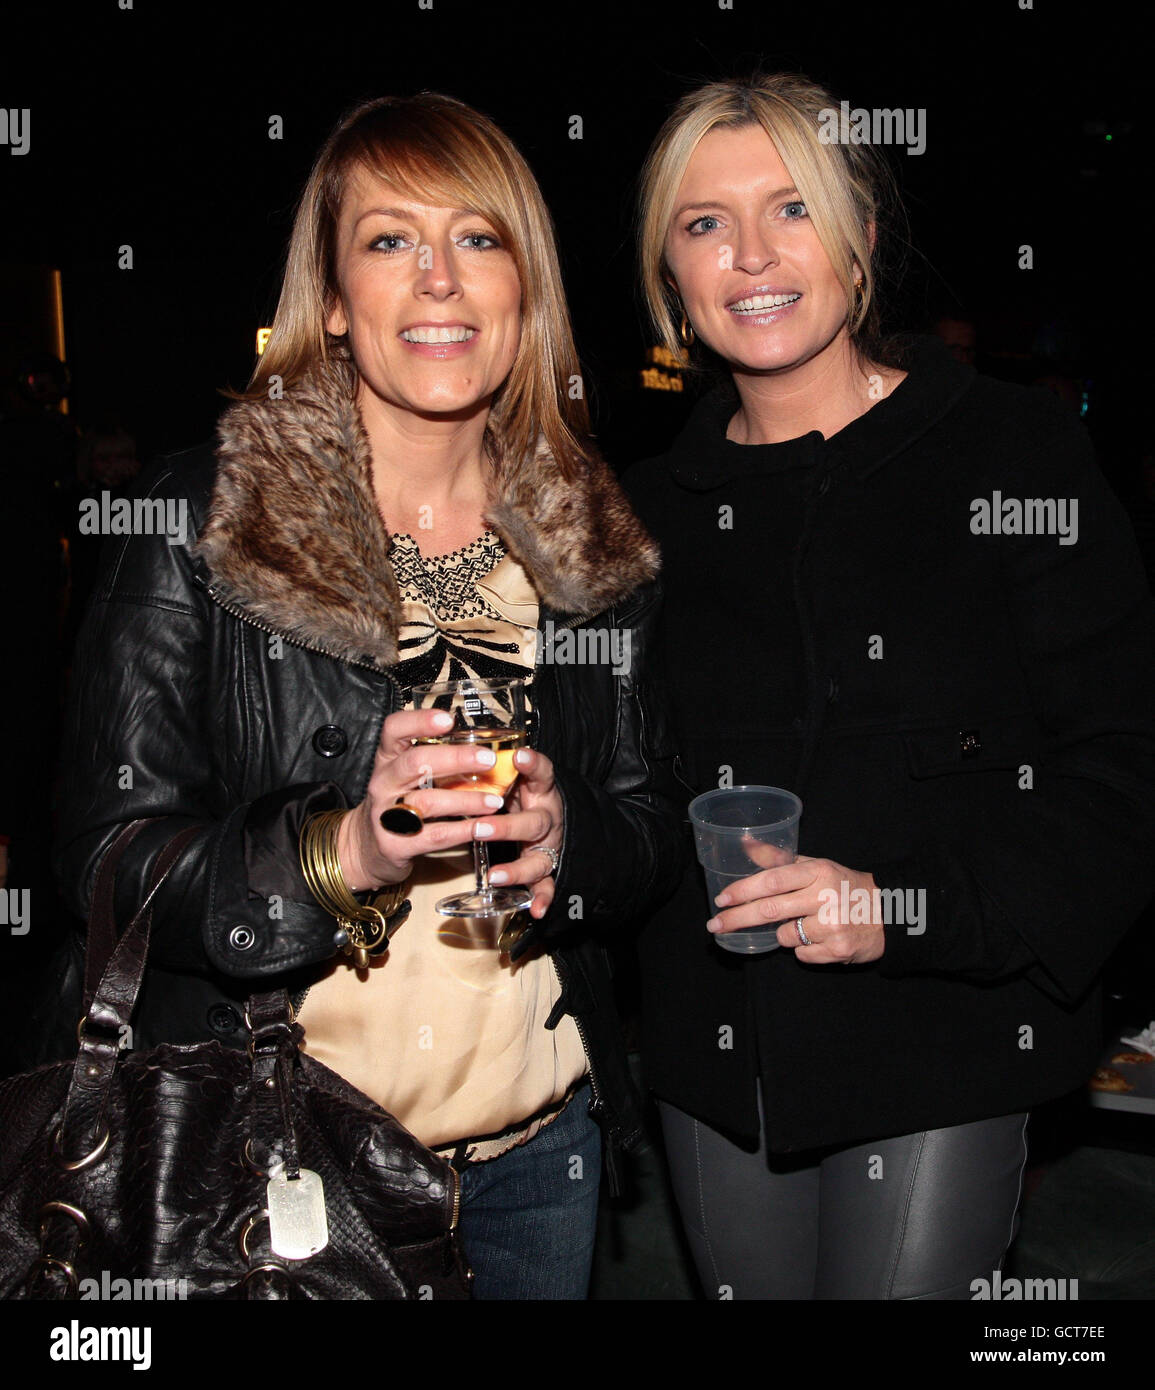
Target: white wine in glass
x: 489, y: 714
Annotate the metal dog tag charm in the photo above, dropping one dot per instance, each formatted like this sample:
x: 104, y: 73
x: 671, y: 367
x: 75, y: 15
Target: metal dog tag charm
x: 297, y: 1224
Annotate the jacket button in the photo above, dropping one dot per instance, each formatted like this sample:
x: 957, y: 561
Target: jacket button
x: 223, y: 1019
x: 241, y: 938
x: 969, y: 744
x: 330, y: 741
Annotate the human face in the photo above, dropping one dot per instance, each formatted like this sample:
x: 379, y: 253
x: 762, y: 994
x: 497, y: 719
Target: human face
x: 430, y: 299
x: 756, y: 284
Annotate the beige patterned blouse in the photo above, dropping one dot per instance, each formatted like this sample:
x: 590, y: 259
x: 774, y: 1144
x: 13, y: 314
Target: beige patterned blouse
x: 443, y: 1030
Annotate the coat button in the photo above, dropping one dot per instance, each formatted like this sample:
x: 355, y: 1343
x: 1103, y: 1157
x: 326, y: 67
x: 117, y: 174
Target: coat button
x: 241, y: 938
x: 969, y: 743
x: 330, y: 741
x: 223, y: 1019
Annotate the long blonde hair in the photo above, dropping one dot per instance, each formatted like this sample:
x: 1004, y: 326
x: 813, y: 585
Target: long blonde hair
x: 847, y: 189
x: 437, y: 149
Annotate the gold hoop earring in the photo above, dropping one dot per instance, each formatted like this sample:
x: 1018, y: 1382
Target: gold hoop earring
x: 686, y: 331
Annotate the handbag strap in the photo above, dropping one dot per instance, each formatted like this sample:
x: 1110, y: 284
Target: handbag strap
x: 276, y: 1036
x: 109, y: 1011
x: 101, y: 940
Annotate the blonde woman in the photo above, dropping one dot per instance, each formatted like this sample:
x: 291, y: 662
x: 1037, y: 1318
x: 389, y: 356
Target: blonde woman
x: 405, y: 494
x: 962, y: 703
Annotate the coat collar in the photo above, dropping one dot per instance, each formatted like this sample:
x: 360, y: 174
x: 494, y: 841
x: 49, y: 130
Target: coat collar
x: 294, y: 537
x: 703, y: 458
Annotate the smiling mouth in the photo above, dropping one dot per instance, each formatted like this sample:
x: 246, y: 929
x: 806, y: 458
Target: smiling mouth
x: 438, y: 335
x: 759, y: 303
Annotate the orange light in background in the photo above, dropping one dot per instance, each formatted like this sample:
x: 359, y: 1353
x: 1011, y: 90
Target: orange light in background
x: 666, y: 374
x: 664, y: 358
x: 58, y: 326
x: 262, y: 339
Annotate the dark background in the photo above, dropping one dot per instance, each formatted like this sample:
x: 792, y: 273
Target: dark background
x: 149, y: 127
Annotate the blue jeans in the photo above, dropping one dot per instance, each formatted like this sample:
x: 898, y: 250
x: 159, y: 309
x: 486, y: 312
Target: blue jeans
x: 528, y: 1217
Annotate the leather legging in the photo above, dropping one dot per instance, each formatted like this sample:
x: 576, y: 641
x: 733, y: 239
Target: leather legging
x: 914, y: 1217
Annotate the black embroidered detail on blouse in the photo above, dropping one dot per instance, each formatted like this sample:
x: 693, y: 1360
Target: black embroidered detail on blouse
x: 450, y: 631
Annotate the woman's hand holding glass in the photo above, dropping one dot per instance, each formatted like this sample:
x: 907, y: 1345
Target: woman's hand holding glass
x: 372, y: 857
x: 535, y: 794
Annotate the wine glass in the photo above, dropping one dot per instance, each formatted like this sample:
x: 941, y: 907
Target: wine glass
x: 490, y: 714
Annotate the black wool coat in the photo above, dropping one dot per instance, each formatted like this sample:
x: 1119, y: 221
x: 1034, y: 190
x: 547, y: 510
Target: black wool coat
x: 966, y: 714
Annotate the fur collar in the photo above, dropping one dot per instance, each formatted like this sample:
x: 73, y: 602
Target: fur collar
x: 293, y: 534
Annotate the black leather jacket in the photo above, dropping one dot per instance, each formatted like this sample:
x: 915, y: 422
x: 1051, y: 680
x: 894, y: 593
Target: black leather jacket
x: 185, y: 705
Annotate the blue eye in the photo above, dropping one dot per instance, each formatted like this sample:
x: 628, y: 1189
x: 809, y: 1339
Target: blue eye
x: 800, y: 205
x: 699, y: 223
x: 394, y: 237
x: 486, y: 237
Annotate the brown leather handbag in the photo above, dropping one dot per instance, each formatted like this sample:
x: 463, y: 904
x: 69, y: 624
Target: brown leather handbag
x: 224, y: 1175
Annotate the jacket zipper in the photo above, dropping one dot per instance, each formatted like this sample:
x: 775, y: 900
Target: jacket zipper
x: 596, y: 1093
x: 456, y: 1199
x: 609, y: 1155
x: 238, y: 612
x: 594, y: 1089
x: 557, y: 627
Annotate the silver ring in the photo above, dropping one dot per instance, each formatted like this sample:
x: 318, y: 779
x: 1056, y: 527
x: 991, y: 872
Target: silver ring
x: 554, y: 857
x: 803, y: 939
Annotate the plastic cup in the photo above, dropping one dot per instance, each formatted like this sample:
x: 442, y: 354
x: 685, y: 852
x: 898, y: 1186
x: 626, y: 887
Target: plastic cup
x: 738, y: 831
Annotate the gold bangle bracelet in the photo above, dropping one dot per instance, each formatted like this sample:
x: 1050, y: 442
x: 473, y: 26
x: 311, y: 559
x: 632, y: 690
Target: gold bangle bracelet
x: 366, y: 926
x: 313, y: 836
x: 321, y: 866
